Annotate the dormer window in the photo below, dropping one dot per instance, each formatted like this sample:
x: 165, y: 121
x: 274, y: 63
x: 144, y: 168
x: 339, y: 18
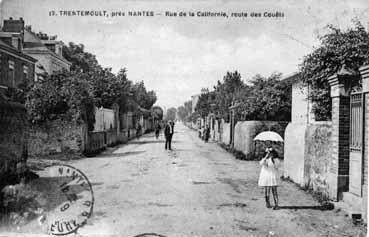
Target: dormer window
x: 25, y: 72
x: 15, y: 42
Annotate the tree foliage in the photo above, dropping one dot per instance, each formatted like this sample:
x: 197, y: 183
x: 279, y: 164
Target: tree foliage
x: 74, y: 95
x: 264, y: 98
x: 157, y: 112
x: 80, y: 59
x: 226, y: 92
x: 184, y: 111
x: 267, y: 98
x: 64, y: 95
x: 349, y: 48
x: 145, y: 99
x: 171, y: 114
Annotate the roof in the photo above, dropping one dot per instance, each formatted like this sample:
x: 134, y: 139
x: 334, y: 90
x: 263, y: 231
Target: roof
x: 295, y: 77
x: 13, y: 50
x: 33, y: 43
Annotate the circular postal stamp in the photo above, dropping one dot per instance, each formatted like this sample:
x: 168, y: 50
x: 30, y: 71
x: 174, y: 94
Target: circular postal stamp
x: 73, y: 200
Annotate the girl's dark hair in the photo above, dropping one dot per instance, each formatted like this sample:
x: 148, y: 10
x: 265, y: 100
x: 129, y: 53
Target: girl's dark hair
x: 274, y: 154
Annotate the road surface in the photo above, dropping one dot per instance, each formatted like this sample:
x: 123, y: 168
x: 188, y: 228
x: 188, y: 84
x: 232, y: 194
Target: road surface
x: 198, y: 189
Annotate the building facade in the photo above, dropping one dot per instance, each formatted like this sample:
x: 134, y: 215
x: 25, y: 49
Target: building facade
x: 16, y: 69
x: 45, y: 49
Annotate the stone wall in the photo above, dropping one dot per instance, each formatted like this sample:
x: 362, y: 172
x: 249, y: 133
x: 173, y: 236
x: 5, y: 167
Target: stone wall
x: 318, y: 147
x: 13, y: 139
x: 308, y: 149
x: 246, y: 131
x: 55, y: 137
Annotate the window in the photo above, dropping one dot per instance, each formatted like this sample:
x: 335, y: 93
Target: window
x: 11, y: 76
x: 25, y: 72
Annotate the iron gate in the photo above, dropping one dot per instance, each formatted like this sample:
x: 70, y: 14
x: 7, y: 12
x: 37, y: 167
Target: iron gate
x: 356, y: 143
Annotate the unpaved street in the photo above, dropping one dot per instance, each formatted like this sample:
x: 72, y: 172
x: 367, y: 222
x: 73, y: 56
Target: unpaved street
x: 198, y: 189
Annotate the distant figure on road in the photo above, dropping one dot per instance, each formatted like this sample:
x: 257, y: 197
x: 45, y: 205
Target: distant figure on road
x: 138, y: 130
x: 207, y: 133
x: 268, y: 176
x: 157, y: 130
x: 168, y: 132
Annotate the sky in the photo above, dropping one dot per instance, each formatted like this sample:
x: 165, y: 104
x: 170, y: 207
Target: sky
x: 177, y: 56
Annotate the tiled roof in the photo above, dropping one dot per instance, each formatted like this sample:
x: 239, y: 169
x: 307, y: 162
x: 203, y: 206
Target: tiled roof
x: 11, y: 49
x: 32, y: 42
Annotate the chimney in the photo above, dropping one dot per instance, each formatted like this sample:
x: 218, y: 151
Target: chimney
x: 13, y: 25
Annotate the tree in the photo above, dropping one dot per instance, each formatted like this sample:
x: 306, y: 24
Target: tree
x: 188, y: 107
x: 171, y: 114
x: 66, y: 95
x: 182, y: 113
x: 157, y: 112
x: 227, y: 92
x: 145, y: 99
x: 266, y: 99
x: 80, y: 59
x: 204, y: 104
x: 338, y: 48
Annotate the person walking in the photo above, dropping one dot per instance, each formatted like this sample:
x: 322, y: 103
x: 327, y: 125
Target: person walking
x: 138, y: 131
x: 268, y: 176
x: 157, y: 130
x: 207, y: 133
x: 168, y: 132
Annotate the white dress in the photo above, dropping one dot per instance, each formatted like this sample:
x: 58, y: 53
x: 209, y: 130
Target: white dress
x: 268, y: 173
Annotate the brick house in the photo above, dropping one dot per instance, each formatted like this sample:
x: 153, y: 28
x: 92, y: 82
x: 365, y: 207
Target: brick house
x: 16, y: 68
x: 46, y: 49
x: 16, y: 71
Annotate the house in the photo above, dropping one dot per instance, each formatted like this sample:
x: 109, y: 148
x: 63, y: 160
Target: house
x: 16, y: 72
x: 46, y: 49
x: 16, y: 68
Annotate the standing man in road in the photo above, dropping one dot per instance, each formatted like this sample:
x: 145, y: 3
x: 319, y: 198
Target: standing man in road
x: 168, y: 132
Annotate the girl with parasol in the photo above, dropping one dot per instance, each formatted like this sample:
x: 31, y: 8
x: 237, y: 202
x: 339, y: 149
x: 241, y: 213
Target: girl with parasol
x: 269, y: 168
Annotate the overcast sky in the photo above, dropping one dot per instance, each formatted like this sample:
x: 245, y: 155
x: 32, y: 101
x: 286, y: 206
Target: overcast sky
x: 176, y: 56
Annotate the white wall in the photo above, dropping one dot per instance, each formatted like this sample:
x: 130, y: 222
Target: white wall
x: 294, y: 152
x: 301, y: 111
x: 226, y: 138
x: 104, y: 119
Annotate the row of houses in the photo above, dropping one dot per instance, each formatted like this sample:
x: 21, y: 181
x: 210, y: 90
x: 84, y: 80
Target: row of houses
x: 25, y: 57
x: 328, y: 157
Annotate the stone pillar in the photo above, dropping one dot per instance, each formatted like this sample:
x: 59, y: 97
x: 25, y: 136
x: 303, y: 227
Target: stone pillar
x: 340, y: 85
x: 116, y: 118
x: 364, y: 71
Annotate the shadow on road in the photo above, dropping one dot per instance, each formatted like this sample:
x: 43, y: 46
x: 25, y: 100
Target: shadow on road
x: 149, y: 142
x: 322, y: 208
x: 121, y: 154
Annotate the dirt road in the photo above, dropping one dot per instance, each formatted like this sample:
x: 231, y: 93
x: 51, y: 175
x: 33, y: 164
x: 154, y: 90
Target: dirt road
x: 198, y: 189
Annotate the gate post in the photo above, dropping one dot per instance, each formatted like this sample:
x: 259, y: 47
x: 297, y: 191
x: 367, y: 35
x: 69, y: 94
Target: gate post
x: 340, y: 85
x: 364, y: 71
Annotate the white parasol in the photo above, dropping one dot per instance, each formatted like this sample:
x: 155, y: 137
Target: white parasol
x: 268, y: 136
